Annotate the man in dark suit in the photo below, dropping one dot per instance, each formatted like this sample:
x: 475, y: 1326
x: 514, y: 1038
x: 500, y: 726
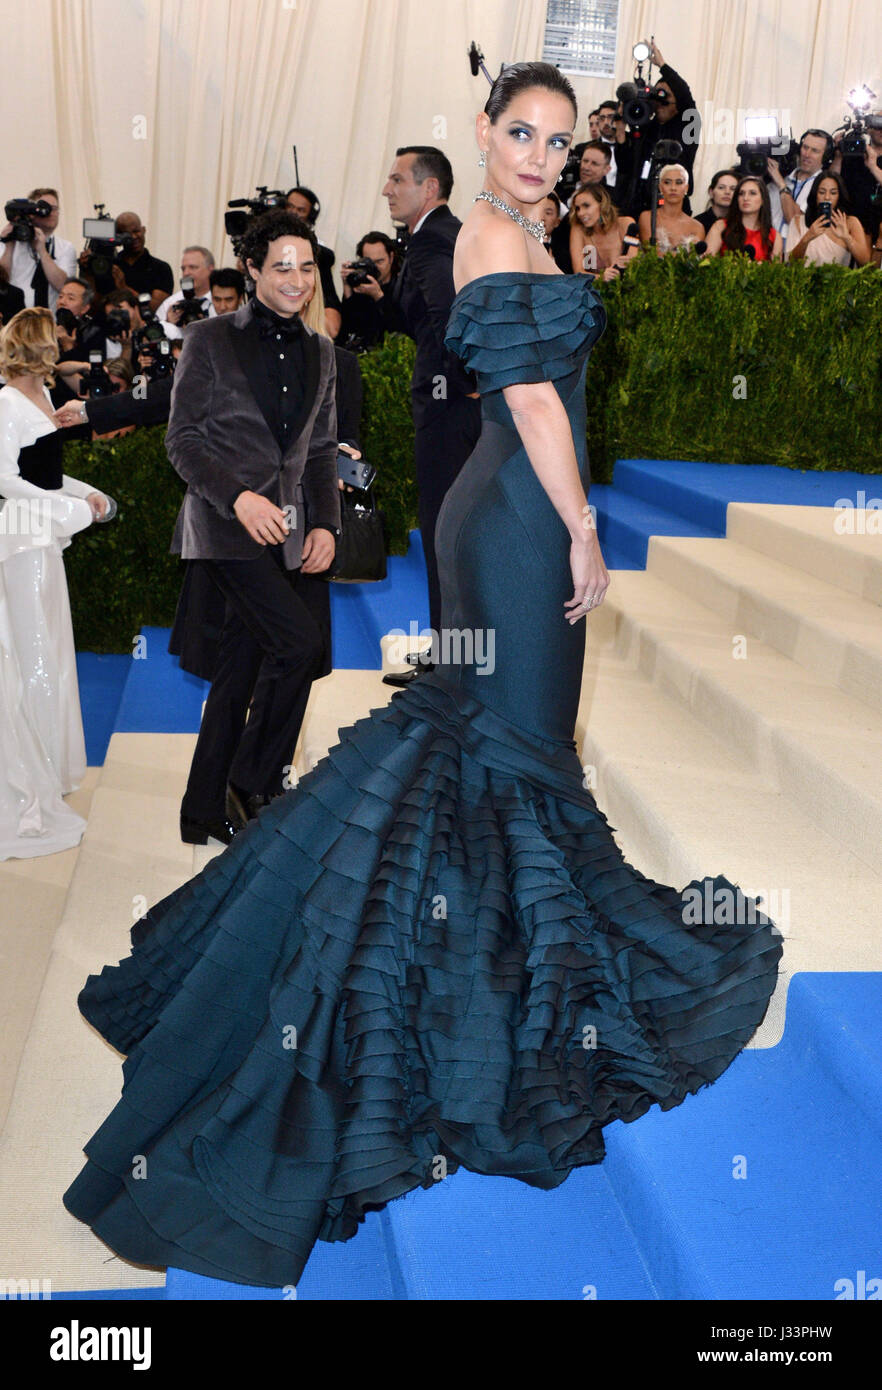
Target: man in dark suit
x: 446, y: 411
x: 253, y: 433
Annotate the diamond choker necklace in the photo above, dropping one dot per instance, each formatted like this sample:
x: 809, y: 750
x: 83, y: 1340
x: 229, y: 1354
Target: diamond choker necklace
x: 536, y: 229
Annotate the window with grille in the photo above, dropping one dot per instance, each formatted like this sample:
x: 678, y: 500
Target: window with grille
x: 580, y: 36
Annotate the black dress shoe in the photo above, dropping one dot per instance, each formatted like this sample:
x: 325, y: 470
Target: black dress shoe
x: 405, y: 677
x: 199, y: 832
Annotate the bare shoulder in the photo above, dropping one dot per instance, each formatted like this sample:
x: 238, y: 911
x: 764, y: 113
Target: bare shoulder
x: 488, y: 241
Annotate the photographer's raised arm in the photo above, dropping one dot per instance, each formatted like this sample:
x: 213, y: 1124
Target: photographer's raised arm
x: 56, y: 274
x: 186, y: 439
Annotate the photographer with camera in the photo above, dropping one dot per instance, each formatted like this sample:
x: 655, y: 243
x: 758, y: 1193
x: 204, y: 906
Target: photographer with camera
x: 674, y: 117
x: 368, y: 291
x: 36, y: 260
x: 861, y: 173
x: 148, y: 403
x: 77, y: 331
x: 193, y: 300
x: 135, y: 268
x: 227, y: 287
x: 789, y: 195
x: 829, y: 234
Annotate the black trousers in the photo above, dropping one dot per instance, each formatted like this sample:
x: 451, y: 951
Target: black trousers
x: 442, y: 444
x: 274, y: 643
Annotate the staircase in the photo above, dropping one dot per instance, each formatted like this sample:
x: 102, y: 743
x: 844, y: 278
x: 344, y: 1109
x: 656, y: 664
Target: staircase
x: 731, y: 719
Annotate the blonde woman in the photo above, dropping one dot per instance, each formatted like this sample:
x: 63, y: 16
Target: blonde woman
x: 673, y: 227
x: 42, y: 750
x: 601, y: 241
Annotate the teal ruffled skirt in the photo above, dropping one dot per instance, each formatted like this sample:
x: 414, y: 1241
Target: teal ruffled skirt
x: 431, y: 953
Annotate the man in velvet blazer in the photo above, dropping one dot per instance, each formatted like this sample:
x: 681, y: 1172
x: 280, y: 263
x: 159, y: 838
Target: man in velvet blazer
x: 253, y: 433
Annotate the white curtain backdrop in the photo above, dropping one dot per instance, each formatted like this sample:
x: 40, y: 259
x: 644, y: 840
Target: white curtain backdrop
x: 170, y: 107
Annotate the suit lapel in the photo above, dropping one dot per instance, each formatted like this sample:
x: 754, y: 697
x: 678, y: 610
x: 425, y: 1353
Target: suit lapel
x: 310, y: 386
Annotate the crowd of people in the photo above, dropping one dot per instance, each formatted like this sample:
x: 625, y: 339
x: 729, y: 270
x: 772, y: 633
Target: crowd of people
x: 827, y: 209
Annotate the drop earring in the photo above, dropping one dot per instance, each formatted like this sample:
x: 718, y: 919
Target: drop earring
x: 481, y: 161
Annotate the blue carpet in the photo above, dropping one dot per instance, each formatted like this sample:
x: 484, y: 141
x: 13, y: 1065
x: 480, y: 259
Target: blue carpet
x: 362, y: 613
x: 677, y: 497
x: 101, y: 678
x: 762, y: 1186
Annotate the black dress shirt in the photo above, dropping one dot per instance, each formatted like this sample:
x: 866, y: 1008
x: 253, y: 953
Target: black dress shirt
x: 278, y: 344
x: 147, y: 273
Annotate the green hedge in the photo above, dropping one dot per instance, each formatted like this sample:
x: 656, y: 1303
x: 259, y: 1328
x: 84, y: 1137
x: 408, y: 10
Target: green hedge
x: 806, y: 339
x: 663, y: 382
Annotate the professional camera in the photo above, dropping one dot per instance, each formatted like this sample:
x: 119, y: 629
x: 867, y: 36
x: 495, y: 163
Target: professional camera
x: 117, y: 322
x: 162, y: 359
x: 189, y: 308
x: 152, y: 332
x: 639, y: 102
x: 20, y: 211
x: 362, y: 270
x: 103, y: 242
x: 855, y: 126
x: 67, y: 320
x: 236, y: 222
x: 763, y: 141
x: 96, y: 382
x: 568, y: 179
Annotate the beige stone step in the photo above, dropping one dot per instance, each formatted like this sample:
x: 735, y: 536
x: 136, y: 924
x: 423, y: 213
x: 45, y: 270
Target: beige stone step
x: 826, y: 629
x: 840, y: 547
x: 684, y: 804
x: 808, y: 739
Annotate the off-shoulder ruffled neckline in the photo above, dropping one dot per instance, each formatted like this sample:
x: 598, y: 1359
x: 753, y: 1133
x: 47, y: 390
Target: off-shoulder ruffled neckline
x: 520, y: 275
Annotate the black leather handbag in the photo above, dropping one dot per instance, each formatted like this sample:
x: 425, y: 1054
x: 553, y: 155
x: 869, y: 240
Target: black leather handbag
x: 361, y: 549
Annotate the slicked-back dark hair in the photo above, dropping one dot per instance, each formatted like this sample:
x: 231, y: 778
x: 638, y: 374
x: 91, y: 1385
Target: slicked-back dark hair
x: 269, y: 227
x: 519, y: 77
x: 430, y: 163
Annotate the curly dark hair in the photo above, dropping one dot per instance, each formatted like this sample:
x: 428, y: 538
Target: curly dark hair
x: 269, y: 227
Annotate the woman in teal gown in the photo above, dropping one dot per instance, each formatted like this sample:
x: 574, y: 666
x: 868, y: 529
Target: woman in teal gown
x: 431, y: 949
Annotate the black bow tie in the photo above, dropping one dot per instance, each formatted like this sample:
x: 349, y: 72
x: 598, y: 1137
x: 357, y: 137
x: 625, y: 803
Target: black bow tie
x: 270, y: 325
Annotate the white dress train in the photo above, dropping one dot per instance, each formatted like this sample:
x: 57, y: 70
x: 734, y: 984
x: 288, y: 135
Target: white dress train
x: 42, y: 747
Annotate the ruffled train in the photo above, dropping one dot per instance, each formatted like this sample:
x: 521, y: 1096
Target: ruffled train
x: 431, y: 953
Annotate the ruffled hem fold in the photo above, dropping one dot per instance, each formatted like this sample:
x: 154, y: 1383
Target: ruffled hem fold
x: 431, y: 953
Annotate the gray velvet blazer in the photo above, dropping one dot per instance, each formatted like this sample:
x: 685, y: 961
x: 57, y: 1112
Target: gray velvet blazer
x: 219, y: 441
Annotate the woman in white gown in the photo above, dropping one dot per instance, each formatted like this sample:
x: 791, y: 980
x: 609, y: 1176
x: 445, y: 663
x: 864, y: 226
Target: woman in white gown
x: 42, y: 749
